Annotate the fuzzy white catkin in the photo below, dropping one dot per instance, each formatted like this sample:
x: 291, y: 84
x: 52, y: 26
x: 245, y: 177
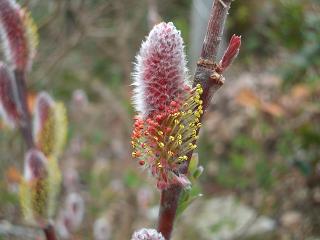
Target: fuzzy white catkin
x: 160, y: 70
x: 71, y: 216
x: 147, y: 234
x: 101, y: 229
x: 75, y: 208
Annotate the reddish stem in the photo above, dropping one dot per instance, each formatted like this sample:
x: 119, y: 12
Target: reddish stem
x: 167, y: 212
x: 206, y: 74
x: 49, y: 232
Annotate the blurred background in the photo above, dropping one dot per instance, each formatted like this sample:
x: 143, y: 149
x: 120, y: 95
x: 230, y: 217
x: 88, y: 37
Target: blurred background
x: 260, y: 144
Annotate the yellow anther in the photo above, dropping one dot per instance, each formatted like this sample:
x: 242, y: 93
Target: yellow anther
x: 181, y: 126
x: 199, y: 91
x: 192, y: 146
x: 179, y: 137
x: 183, y: 158
x: 160, y: 133
x: 171, y: 138
x: 199, y: 125
x: 161, y: 144
x: 176, y: 121
x: 179, y: 142
x: 170, y: 153
x: 197, y: 114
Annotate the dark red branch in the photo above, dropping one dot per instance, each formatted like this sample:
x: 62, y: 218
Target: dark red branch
x: 208, y: 75
x: 167, y: 212
x: 49, y: 232
x: 215, y: 28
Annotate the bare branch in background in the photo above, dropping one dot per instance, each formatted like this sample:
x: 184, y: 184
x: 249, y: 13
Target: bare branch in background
x: 153, y: 14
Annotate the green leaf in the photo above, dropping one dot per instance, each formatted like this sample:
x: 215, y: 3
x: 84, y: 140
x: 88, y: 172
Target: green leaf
x: 187, y: 197
x: 193, y: 165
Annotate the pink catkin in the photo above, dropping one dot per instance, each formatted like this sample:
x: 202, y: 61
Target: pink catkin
x: 160, y: 72
x: 35, y: 165
x: 13, y: 34
x: 8, y: 106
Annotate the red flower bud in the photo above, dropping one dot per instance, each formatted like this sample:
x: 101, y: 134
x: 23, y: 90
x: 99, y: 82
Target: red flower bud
x: 231, y: 53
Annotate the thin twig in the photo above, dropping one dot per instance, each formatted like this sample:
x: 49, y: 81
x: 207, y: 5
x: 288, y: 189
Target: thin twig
x: 51, y: 17
x: 49, y: 232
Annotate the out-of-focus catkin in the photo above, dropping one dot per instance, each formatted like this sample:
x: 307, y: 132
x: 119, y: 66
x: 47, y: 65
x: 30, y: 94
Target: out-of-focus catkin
x: 50, y: 125
x: 18, y: 34
x: 8, y: 105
